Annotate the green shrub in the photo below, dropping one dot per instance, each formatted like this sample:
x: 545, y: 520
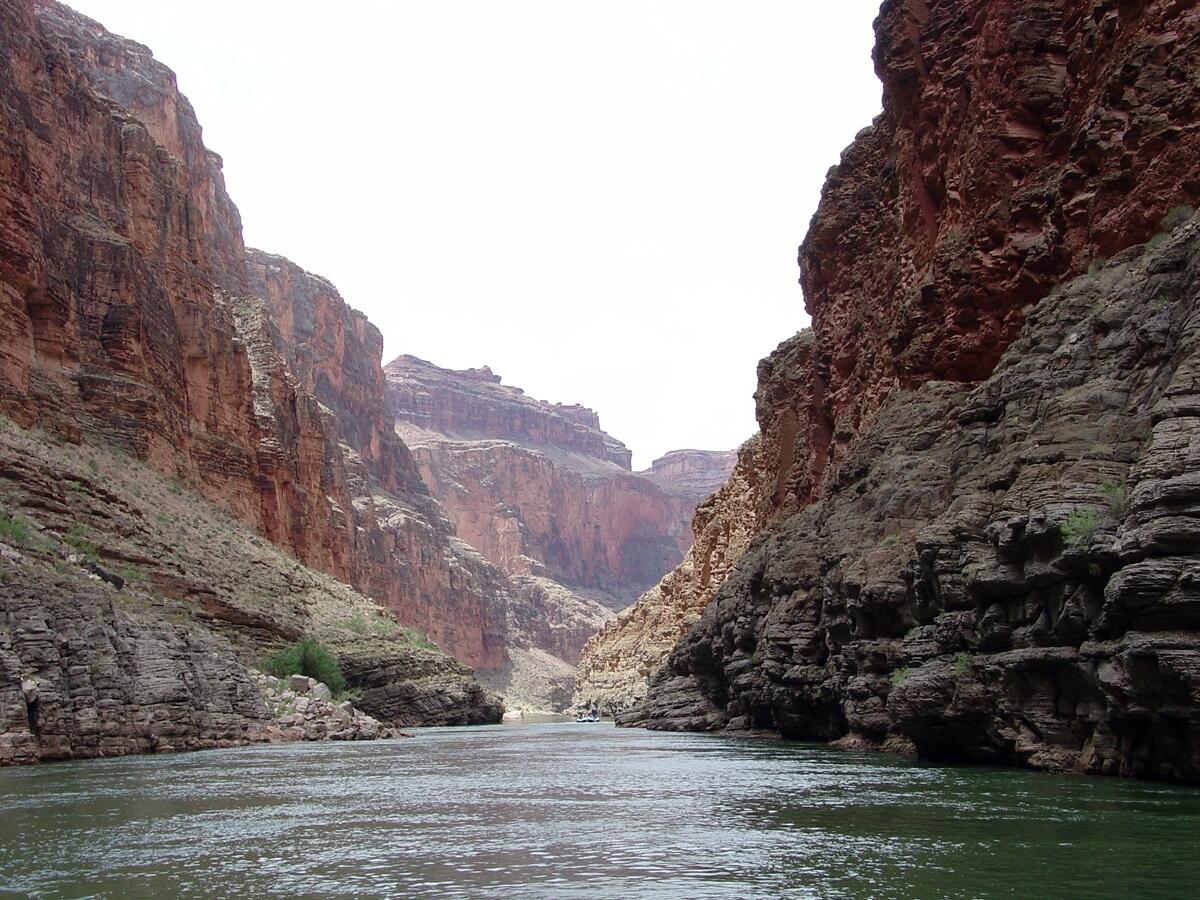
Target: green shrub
x: 1114, y: 496
x: 963, y: 664
x: 77, y: 538
x: 364, y: 625
x: 900, y: 675
x: 13, y: 528
x: 1079, y: 527
x: 356, y: 623
x: 307, y: 657
x: 132, y: 574
x: 419, y: 639
x: 1096, y: 265
x: 1176, y: 217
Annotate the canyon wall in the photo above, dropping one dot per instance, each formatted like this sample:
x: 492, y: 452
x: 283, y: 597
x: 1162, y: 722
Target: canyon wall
x: 540, y: 489
x: 549, y: 498
x: 982, y: 572
x: 694, y: 474
x: 616, y: 664
x: 400, y: 548
x: 134, y: 319
x: 137, y: 318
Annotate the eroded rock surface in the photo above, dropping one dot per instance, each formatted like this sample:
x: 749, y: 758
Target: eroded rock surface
x: 131, y: 611
x: 135, y: 318
x: 695, y: 474
x: 1020, y: 144
x: 615, y: 666
x: 137, y: 328
x: 538, y: 488
x: 391, y: 539
x: 548, y: 497
x: 998, y: 573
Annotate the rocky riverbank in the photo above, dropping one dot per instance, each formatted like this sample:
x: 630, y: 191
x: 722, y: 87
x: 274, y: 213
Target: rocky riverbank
x: 304, y: 709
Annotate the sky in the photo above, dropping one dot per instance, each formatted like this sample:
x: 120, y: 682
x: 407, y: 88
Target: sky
x: 601, y: 201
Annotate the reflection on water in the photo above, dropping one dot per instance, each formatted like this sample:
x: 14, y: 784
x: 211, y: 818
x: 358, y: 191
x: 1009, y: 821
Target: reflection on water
x: 565, y: 810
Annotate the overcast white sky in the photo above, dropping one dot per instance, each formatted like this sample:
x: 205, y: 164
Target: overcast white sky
x: 601, y: 201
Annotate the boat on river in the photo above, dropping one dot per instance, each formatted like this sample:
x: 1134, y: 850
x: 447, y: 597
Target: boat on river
x: 586, y: 718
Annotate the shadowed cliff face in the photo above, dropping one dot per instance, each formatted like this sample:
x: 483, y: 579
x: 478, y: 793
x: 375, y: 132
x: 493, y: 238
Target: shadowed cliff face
x: 1020, y: 144
x: 134, y: 319
x: 1000, y: 573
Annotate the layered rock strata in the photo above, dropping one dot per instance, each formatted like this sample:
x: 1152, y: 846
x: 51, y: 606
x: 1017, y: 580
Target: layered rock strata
x: 472, y: 403
x: 616, y: 664
x: 134, y: 319
x: 538, y: 488
x: 1020, y: 144
x: 999, y: 574
x: 549, y: 498
x: 304, y: 709
x: 694, y: 474
x: 397, y: 544
x: 131, y: 611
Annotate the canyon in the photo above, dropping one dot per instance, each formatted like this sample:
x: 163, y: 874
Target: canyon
x: 540, y: 489
x: 550, y: 499
x: 969, y: 509
x: 150, y: 362
x: 966, y: 528
x: 201, y: 458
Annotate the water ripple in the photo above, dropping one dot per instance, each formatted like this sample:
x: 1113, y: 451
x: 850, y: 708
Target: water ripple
x: 573, y: 811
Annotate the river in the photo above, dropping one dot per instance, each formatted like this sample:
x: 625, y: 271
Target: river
x: 565, y: 810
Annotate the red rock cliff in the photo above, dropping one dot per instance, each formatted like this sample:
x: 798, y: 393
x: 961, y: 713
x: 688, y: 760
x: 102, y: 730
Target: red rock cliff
x: 1020, y: 142
x: 131, y: 318
x: 538, y: 488
x: 969, y: 462
x: 474, y: 404
x: 691, y: 473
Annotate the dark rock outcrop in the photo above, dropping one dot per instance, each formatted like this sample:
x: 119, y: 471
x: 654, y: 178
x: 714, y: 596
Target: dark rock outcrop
x: 999, y: 574
x: 899, y: 535
x: 134, y: 609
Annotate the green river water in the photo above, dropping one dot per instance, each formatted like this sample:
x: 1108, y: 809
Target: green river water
x: 565, y: 810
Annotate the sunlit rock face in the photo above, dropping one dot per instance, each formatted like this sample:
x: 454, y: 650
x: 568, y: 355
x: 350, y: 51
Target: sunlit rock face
x: 616, y: 664
x: 908, y: 582
x: 539, y: 489
x: 691, y: 473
